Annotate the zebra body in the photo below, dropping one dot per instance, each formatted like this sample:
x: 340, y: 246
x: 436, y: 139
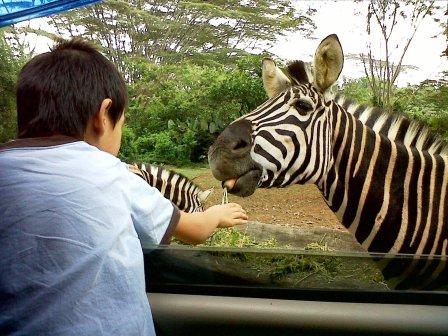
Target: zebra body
x: 383, y: 176
x: 173, y: 186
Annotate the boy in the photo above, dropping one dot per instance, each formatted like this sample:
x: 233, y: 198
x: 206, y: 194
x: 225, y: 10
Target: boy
x: 72, y: 217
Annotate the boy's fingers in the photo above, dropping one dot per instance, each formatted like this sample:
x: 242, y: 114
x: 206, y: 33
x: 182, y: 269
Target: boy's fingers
x: 240, y: 214
x: 236, y: 205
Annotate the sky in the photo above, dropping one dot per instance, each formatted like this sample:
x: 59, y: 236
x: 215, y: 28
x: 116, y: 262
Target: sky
x: 348, y: 20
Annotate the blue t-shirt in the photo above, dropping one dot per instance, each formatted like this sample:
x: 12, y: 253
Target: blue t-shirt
x: 73, y: 220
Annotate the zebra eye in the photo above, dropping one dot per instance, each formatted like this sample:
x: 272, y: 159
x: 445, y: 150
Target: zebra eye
x: 303, y: 106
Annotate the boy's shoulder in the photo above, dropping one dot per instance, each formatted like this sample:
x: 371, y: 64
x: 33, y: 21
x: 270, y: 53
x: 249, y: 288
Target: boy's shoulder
x: 59, y: 152
x: 30, y: 143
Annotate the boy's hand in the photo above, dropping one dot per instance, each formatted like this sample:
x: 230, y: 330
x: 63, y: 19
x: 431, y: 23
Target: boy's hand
x: 227, y: 215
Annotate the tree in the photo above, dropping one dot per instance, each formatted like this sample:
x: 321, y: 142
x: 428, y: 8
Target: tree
x: 177, y: 109
x: 161, y: 32
x: 9, y: 67
x: 385, y: 16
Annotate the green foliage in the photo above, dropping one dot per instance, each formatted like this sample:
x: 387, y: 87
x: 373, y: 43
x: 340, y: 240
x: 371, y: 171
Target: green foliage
x: 176, y: 111
x: 166, y: 32
x: 188, y: 65
x: 128, y: 151
x: 274, y: 266
x: 9, y: 67
x: 359, y: 91
x: 427, y: 103
x: 231, y: 237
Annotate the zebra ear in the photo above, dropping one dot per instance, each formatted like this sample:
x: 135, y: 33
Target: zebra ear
x: 274, y: 80
x: 203, y: 195
x: 328, y: 62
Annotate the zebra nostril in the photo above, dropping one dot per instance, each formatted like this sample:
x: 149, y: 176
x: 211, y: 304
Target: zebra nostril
x: 241, y: 144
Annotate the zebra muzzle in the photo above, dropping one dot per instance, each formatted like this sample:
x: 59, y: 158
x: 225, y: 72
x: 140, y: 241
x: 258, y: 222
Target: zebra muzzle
x: 244, y: 185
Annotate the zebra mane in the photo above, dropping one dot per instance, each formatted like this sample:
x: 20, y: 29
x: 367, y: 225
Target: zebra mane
x: 395, y: 126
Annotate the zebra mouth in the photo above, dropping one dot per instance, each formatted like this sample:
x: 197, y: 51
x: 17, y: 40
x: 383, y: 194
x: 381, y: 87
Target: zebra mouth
x: 244, y: 185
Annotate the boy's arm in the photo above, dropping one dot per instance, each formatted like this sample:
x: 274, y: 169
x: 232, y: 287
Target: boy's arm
x: 196, y: 227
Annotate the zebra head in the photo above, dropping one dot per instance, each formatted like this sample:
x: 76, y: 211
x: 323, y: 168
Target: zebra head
x: 286, y: 139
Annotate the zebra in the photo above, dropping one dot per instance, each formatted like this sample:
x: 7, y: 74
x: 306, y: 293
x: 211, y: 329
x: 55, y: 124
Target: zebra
x: 173, y: 186
x: 384, y: 176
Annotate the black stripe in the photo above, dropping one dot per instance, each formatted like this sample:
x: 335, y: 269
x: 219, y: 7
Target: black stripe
x: 434, y: 221
x: 388, y: 233
x: 266, y: 184
x: 270, y: 118
x: 402, y: 130
x: 177, y: 194
x: 374, y: 114
x: 272, y: 106
x: 290, y: 119
x: 270, y: 138
x: 167, y: 193
x: 356, y: 182
x: 159, y: 181
x: 359, y: 110
x: 317, y: 146
x: 374, y: 199
x: 342, y: 125
x: 296, y: 146
x: 412, y: 203
x: 338, y: 195
x: 425, y: 201
x: 260, y: 151
x: 344, y: 173
x: 386, y: 126
x: 181, y: 196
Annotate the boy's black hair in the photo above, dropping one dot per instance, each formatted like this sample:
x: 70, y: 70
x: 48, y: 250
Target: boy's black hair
x: 59, y: 91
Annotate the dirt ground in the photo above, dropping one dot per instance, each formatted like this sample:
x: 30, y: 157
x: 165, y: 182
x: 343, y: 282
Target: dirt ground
x: 300, y: 205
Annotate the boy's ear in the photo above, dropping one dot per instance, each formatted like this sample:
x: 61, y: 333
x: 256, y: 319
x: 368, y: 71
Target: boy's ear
x: 101, y: 118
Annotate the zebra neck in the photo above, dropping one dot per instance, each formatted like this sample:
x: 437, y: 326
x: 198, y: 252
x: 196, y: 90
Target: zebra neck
x: 390, y: 197
x: 179, y: 189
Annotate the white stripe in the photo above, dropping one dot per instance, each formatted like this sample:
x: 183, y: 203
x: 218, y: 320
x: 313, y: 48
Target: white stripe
x: 419, y: 197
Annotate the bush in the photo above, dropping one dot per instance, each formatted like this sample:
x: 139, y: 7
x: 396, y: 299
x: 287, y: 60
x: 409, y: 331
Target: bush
x: 176, y: 111
x: 427, y: 103
x: 9, y: 68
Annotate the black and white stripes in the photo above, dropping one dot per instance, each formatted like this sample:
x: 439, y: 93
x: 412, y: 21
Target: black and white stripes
x: 175, y: 187
x: 385, y: 177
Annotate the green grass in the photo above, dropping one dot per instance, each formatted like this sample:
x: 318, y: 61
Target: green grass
x: 232, y: 237
x: 191, y: 171
x: 315, y: 267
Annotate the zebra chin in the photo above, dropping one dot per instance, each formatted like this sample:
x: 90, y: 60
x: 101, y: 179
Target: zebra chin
x: 246, y: 184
